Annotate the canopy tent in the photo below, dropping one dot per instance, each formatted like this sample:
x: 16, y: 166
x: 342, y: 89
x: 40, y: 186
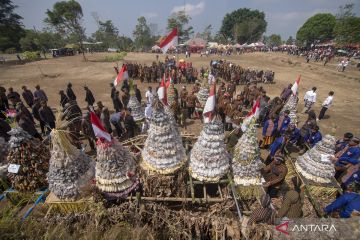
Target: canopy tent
x: 196, y: 42
x: 155, y: 47
x: 213, y: 44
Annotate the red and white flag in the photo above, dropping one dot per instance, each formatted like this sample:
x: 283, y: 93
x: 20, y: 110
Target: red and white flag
x: 295, y: 87
x: 98, y: 128
x: 162, y: 91
x: 255, y: 112
x: 123, y: 74
x: 169, y: 41
x: 167, y: 84
x: 209, y: 108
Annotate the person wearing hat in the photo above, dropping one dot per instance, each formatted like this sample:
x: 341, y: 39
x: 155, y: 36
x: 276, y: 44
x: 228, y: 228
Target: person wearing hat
x: 191, y: 101
x: 89, y: 97
x: 347, y: 203
x: 39, y: 93
x: 293, y: 202
x: 70, y: 93
x: 268, y: 132
x: 264, y: 213
x: 345, y: 158
x: 274, y: 175
x: 13, y: 96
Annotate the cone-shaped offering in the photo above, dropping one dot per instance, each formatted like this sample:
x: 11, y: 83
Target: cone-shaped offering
x: 171, y: 94
x: 33, y: 160
x: 163, y: 151
x: 204, y: 92
x: 246, y: 161
x: 291, y: 105
x: 70, y: 169
x: 315, y: 164
x: 209, y: 160
x: 115, y: 168
x: 136, y: 110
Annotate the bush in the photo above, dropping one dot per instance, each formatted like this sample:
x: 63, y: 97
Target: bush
x: 114, y: 58
x: 10, y: 50
x: 31, y: 56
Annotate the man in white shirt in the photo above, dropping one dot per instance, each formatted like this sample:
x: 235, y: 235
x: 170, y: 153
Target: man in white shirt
x: 149, y: 96
x: 326, y: 104
x: 309, y: 99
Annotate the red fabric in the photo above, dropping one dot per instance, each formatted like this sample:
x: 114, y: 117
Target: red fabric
x: 96, y: 121
x: 169, y: 38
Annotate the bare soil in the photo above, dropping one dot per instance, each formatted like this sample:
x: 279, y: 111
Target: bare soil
x: 54, y: 74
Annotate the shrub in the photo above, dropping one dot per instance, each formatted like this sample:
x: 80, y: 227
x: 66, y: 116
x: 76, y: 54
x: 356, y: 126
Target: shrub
x: 114, y: 58
x: 31, y: 56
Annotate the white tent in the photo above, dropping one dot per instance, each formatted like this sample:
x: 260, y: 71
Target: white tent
x: 156, y: 47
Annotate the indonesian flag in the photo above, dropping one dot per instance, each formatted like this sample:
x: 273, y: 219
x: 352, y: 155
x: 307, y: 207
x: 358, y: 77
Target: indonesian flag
x: 255, y: 112
x: 209, y: 108
x: 162, y: 91
x: 170, y: 40
x: 294, y: 88
x: 167, y: 84
x: 123, y: 74
x: 98, y: 128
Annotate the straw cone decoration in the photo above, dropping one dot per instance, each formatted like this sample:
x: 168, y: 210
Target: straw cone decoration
x: 171, y: 94
x: 136, y: 110
x: 115, y: 166
x: 209, y: 160
x: 204, y: 92
x: 315, y: 164
x: 33, y: 158
x: 70, y: 169
x: 246, y: 161
x: 163, y: 150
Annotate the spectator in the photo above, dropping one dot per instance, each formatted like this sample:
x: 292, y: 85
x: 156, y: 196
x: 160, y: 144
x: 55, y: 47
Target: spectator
x: 28, y: 96
x: 89, y: 97
x: 40, y: 94
x: 70, y: 93
x: 47, y: 116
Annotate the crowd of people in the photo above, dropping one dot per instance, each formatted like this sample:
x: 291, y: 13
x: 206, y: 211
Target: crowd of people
x: 279, y: 134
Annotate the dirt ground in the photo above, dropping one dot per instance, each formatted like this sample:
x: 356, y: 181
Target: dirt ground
x: 97, y: 75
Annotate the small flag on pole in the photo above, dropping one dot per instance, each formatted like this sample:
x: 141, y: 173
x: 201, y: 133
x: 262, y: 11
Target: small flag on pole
x: 162, y: 91
x: 209, y: 108
x: 123, y: 74
x: 295, y: 87
x: 98, y: 128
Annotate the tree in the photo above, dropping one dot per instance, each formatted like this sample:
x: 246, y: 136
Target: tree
x: 40, y: 41
x: 347, y: 27
x: 244, y: 25
x: 180, y: 20
x: 206, y: 34
x: 273, y: 40
x: 317, y: 28
x: 290, y: 41
x: 107, y: 34
x: 142, y: 34
x: 11, y: 29
x: 66, y: 19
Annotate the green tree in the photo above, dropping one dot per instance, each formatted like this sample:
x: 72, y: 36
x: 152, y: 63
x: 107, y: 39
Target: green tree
x: 107, y: 34
x: 142, y: 35
x: 66, y: 19
x: 206, y: 34
x: 274, y: 40
x: 347, y: 27
x: 181, y: 20
x: 244, y: 25
x: 41, y: 41
x: 11, y: 29
x: 290, y: 41
x: 317, y: 28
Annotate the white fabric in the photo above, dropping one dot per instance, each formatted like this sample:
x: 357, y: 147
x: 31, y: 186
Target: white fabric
x: 173, y: 42
x: 209, y: 107
x: 101, y: 134
x: 328, y: 102
x: 149, y: 97
x: 148, y: 111
x: 310, y: 96
x: 161, y: 92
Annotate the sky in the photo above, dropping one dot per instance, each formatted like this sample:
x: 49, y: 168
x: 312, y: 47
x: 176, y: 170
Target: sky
x: 284, y: 17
